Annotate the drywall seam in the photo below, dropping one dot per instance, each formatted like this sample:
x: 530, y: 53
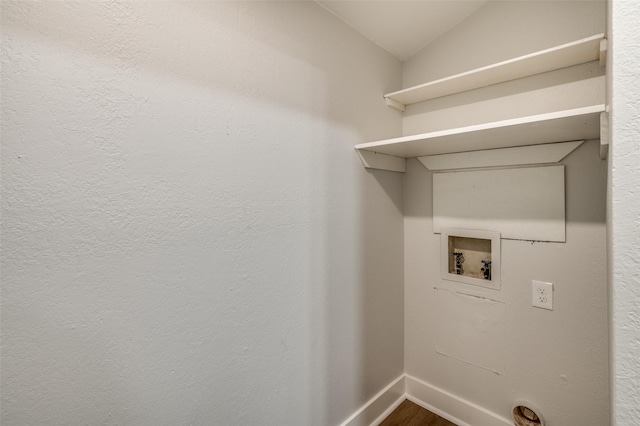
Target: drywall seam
x: 439, y: 351
x: 472, y: 330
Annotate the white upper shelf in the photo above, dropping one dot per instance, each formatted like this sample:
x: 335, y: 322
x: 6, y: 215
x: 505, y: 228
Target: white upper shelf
x: 560, y: 126
x: 566, y: 55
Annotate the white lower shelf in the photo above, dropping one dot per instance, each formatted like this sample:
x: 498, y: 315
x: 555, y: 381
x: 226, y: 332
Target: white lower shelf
x: 561, y: 126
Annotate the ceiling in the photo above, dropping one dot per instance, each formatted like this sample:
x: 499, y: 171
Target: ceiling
x: 402, y: 27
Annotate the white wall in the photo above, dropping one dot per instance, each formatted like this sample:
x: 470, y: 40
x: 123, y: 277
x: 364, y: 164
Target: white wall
x: 503, y: 30
x: 187, y: 234
x: 500, y: 31
x: 623, y: 210
x: 555, y: 359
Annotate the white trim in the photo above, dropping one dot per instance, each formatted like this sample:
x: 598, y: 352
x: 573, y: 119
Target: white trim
x: 450, y: 406
x: 445, y: 404
x: 434, y: 410
x: 389, y: 410
x: 382, y: 404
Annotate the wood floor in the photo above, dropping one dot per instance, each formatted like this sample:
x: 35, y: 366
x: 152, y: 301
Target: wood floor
x: 410, y: 414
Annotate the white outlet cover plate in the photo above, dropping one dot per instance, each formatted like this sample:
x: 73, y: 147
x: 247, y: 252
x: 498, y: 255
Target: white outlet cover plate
x: 542, y: 295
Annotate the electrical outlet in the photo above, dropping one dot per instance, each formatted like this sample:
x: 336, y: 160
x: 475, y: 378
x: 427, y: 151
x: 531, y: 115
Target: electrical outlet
x: 542, y: 295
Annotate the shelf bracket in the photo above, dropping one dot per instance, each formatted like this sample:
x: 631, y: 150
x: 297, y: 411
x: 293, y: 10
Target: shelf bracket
x: 604, y: 135
x: 374, y: 160
x: 395, y: 104
x: 603, y: 52
x: 500, y: 157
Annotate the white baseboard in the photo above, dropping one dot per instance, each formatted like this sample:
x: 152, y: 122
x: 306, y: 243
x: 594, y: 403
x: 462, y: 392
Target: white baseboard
x: 389, y: 410
x: 449, y: 406
x: 380, y: 406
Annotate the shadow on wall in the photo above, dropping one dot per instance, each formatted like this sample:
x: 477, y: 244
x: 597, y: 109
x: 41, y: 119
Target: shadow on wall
x: 212, y: 46
x: 179, y: 228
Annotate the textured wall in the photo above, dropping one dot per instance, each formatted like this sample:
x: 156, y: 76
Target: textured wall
x: 555, y: 359
x: 187, y: 234
x: 624, y: 213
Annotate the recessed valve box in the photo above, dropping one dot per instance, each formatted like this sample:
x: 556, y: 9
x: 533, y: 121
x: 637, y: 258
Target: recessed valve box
x: 471, y: 257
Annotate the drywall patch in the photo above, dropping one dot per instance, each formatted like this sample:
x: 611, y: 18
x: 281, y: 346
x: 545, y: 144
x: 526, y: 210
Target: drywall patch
x: 523, y: 203
x: 472, y: 329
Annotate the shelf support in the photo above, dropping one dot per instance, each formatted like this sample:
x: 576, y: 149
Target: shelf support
x: 395, y: 104
x: 374, y: 160
x: 603, y: 52
x: 604, y: 135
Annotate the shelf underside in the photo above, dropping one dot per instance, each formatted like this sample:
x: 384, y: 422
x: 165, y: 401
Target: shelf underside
x: 561, y: 126
x: 574, y: 53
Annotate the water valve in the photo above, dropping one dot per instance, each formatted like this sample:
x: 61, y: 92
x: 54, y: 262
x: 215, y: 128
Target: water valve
x: 459, y: 261
x: 486, y: 269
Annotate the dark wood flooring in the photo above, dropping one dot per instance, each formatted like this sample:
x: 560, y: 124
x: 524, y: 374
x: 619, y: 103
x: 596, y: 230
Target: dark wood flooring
x: 410, y: 414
